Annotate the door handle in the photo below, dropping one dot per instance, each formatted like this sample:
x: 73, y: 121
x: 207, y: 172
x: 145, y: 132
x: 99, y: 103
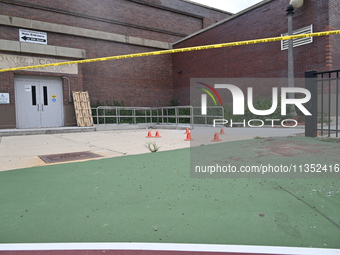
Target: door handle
x: 38, y: 107
x: 42, y: 107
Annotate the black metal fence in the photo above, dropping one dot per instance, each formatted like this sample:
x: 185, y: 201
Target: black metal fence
x: 324, y: 104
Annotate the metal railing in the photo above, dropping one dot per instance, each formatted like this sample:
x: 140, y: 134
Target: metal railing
x: 324, y: 104
x: 175, y: 115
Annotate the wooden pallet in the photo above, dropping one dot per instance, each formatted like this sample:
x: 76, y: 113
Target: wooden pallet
x: 82, y: 108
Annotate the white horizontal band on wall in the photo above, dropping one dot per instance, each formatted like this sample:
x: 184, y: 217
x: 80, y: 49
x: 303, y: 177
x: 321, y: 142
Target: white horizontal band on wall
x: 82, y: 32
x: 57, y: 51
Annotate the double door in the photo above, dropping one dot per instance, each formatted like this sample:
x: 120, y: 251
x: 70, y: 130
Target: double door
x: 39, y: 102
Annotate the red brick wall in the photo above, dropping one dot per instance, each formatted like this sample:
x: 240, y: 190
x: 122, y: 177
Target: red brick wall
x: 136, y: 82
x: 133, y: 18
x: 143, y: 81
x: 260, y: 60
x: 7, y: 85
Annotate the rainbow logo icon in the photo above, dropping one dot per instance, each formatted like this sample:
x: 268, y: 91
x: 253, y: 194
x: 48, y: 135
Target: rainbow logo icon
x: 211, y: 92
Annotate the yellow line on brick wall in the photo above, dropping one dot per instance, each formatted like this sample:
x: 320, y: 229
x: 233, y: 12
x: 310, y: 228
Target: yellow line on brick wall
x: 154, y: 53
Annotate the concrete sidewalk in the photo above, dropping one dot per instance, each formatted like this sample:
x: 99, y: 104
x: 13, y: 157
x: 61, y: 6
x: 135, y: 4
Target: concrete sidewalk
x: 23, y: 151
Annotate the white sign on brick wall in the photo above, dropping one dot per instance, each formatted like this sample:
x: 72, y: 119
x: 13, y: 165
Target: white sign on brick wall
x: 32, y: 36
x: 4, y: 98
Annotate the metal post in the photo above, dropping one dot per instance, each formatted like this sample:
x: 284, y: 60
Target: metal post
x: 322, y: 102
x: 97, y: 116
x: 192, y: 117
x: 337, y: 105
x: 176, y: 116
x: 134, y: 116
x: 311, y: 123
x: 150, y: 116
x: 329, y: 103
x: 290, y: 13
x: 162, y: 115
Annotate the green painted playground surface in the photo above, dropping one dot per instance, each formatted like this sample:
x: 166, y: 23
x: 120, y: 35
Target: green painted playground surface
x: 152, y: 198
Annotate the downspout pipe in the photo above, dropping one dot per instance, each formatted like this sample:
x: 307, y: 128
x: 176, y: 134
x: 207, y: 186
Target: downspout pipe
x: 69, y: 88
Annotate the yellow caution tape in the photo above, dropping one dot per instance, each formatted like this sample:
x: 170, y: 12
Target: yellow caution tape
x: 154, y: 53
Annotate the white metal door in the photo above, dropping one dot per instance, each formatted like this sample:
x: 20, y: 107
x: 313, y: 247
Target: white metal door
x: 39, y: 102
x: 27, y: 111
x: 51, y: 100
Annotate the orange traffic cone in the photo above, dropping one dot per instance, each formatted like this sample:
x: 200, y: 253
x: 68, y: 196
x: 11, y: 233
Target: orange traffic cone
x: 216, y: 138
x: 157, y: 134
x: 187, y: 130
x: 188, y: 137
x: 222, y: 131
x: 149, y: 134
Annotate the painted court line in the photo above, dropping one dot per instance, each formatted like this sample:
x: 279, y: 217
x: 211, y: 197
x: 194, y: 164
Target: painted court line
x: 169, y: 247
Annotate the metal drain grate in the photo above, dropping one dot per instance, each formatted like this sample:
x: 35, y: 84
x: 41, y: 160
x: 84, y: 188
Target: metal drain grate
x: 55, y: 158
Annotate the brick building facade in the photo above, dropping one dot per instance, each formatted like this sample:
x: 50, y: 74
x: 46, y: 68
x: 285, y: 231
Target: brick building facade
x: 264, y: 20
x: 82, y: 29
